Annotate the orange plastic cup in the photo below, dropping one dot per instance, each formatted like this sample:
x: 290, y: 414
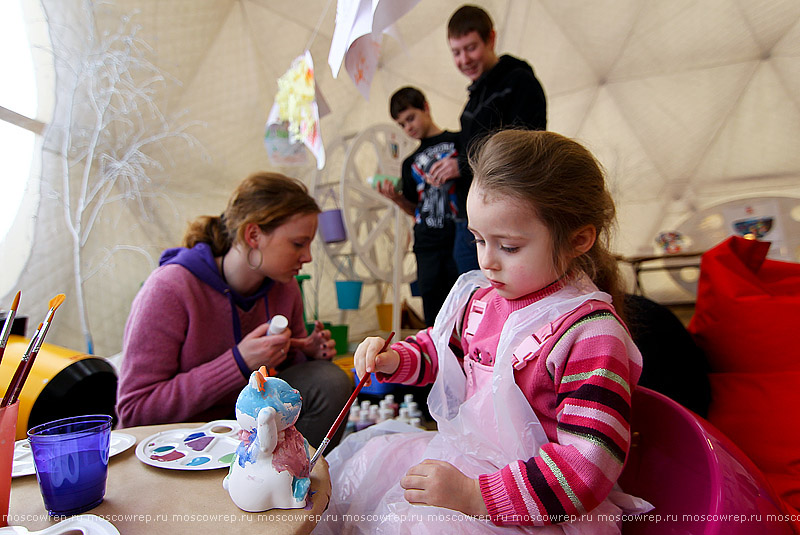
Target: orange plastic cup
x: 8, y: 432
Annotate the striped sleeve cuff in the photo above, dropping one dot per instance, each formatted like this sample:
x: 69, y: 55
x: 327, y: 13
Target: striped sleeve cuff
x: 505, y: 501
x: 498, y: 499
x: 408, y: 370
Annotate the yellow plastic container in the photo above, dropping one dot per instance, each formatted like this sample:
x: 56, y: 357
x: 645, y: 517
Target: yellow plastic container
x: 62, y: 383
x: 384, y: 311
x: 346, y: 364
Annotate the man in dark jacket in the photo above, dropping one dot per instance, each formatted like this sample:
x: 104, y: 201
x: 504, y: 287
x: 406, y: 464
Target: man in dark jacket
x: 504, y: 94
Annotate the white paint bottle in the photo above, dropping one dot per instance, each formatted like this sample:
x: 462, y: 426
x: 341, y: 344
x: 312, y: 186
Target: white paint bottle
x: 277, y: 325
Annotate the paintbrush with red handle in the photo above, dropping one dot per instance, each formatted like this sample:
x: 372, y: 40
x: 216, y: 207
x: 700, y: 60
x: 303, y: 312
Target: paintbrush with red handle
x: 8, y: 325
x: 15, y: 379
x: 345, y: 410
x: 25, y: 365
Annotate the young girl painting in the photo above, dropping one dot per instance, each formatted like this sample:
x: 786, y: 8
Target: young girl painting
x: 532, y: 368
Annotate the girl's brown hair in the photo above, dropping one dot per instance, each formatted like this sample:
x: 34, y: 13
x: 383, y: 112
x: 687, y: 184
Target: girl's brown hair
x: 266, y: 199
x: 564, y: 185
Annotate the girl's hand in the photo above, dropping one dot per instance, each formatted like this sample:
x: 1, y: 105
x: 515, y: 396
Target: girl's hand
x: 441, y: 484
x: 367, y: 360
x: 318, y: 345
x: 258, y: 350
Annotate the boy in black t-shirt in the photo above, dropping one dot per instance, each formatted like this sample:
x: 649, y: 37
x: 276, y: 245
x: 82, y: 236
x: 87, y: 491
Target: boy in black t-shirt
x: 432, y: 192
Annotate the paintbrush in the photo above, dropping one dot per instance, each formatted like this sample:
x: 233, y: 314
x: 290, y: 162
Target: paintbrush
x: 345, y: 410
x: 8, y: 325
x: 20, y: 368
x: 25, y: 365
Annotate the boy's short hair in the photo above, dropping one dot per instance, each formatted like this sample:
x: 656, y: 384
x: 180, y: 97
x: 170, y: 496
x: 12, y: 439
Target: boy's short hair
x: 404, y: 98
x: 470, y: 18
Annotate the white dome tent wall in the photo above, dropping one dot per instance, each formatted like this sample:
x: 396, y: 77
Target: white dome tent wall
x: 679, y: 101
x: 687, y: 105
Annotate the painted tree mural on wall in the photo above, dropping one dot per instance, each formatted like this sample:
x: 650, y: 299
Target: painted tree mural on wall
x: 109, y: 135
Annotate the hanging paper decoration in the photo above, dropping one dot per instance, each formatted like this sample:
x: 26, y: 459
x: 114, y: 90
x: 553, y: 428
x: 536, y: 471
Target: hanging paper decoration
x: 281, y: 151
x: 296, y: 105
x: 360, y: 25
x: 361, y: 62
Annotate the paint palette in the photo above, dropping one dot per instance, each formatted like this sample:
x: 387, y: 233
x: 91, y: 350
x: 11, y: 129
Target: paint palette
x: 23, y: 457
x: 208, y: 447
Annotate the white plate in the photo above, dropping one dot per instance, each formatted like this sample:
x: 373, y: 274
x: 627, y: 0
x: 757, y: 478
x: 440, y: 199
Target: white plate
x: 84, y: 524
x: 23, y: 458
x: 206, y: 447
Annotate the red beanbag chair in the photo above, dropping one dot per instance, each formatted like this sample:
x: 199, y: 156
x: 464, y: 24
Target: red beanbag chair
x: 747, y: 316
x: 747, y: 321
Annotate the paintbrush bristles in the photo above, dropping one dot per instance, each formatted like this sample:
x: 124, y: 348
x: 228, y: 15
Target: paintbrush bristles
x: 56, y: 301
x: 8, y: 325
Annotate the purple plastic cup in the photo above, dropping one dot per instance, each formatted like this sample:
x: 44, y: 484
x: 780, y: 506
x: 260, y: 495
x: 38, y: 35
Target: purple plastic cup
x: 71, y: 461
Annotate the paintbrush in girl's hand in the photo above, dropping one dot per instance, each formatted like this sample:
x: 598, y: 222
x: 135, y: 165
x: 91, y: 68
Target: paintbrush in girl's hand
x: 25, y: 365
x: 345, y: 411
x: 8, y: 325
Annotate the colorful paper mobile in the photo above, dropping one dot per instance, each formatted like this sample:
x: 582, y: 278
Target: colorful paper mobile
x: 296, y: 107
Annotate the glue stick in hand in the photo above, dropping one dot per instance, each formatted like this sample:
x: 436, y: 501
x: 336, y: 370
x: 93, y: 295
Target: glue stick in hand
x: 277, y: 325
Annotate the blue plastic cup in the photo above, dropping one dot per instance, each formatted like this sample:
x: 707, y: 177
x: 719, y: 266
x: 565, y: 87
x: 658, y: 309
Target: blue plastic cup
x: 71, y: 461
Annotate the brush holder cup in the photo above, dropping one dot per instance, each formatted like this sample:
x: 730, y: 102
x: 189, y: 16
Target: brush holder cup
x: 8, y: 429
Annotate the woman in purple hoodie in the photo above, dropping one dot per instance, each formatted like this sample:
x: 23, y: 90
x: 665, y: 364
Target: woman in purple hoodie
x: 198, y: 327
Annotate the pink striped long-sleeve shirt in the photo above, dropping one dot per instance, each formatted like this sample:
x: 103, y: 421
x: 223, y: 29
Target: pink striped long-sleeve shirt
x: 581, y: 393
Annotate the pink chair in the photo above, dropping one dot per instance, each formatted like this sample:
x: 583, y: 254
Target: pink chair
x: 697, y: 479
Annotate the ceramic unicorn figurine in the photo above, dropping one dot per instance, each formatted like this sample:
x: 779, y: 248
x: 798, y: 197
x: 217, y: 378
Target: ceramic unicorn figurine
x: 271, y: 468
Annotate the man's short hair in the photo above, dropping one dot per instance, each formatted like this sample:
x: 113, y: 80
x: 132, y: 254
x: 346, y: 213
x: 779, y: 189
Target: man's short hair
x: 470, y: 18
x: 404, y: 98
